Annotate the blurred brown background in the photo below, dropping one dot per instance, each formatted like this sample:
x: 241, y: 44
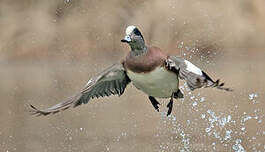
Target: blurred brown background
x: 49, y: 49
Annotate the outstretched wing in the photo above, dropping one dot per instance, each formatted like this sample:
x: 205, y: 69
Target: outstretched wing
x: 194, y: 76
x: 112, y: 81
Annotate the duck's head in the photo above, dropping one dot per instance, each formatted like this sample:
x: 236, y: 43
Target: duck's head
x: 134, y: 38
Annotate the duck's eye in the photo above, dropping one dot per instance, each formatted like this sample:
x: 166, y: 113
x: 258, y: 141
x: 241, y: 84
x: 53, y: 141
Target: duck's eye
x: 137, y: 32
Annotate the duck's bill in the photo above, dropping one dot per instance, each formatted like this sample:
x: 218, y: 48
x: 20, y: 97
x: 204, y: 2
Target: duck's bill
x: 126, y: 39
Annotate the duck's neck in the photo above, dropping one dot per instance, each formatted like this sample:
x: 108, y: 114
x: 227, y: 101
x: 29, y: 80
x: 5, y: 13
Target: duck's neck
x: 138, y: 51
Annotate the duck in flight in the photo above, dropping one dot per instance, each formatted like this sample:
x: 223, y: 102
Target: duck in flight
x: 149, y: 70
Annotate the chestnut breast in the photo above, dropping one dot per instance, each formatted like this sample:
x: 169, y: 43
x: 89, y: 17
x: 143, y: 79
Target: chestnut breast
x: 145, y: 63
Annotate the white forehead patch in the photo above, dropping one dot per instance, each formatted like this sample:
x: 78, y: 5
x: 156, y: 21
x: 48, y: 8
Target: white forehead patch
x: 192, y: 68
x: 130, y: 29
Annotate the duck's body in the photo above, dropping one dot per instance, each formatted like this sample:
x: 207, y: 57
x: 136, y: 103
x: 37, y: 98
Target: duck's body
x: 149, y: 73
x: 149, y: 70
x: 159, y: 83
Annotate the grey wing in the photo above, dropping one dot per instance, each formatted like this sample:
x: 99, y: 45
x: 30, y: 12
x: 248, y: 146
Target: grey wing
x: 112, y: 81
x: 194, y: 76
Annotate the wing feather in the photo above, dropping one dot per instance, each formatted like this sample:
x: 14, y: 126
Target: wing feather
x: 111, y: 81
x: 195, y: 77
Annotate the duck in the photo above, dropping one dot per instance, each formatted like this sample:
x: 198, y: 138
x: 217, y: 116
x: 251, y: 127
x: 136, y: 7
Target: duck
x: 147, y: 68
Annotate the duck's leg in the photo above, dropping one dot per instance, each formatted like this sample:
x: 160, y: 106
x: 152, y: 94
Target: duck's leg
x: 170, y: 105
x: 175, y: 95
x: 154, y: 102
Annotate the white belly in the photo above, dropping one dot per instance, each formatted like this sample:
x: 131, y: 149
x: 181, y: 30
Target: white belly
x: 158, y: 83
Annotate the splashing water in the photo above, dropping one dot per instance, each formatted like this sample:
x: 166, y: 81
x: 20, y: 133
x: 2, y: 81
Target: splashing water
x: 226, y: 130
x: 252, y: 97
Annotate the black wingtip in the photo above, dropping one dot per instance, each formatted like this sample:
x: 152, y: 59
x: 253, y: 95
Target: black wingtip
x: 220, y: 86
x: 216, y: 84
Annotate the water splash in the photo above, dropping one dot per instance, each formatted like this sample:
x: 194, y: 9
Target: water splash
x: 252, y: 97
x: 223, y: 127
x: 237, y: 147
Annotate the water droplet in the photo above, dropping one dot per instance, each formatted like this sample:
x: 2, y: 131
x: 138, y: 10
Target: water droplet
x: 246, y: 118
x: 252, y: 96
x: 202, y: 99
x: 207, y: 129
x: 227, y: 134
